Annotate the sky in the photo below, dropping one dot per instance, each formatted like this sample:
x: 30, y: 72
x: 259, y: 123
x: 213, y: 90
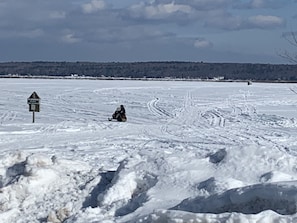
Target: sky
x: 249, y: 31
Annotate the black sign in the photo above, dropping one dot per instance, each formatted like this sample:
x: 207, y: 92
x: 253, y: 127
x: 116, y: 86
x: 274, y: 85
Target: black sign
x: 34, y: 95
x: 34, y: 102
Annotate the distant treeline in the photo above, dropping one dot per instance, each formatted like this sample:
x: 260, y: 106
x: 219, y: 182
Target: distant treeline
x: 173, y: 69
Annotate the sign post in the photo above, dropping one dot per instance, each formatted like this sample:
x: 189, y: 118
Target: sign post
x: 34, y: 104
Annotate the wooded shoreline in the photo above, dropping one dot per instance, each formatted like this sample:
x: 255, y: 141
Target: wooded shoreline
x: 151, y: 70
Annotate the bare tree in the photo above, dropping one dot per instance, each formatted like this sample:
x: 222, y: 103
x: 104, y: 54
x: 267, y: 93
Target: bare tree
x: 291, y: 37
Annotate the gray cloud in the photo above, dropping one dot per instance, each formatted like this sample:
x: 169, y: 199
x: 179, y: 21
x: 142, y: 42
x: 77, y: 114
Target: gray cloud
x: 211, y: 13
x: 93, y: 6
x: 208, y: 5
x: 171, y: 12
x: 79, y: 19
x: 202, y: 43
x: 229, y: 22
x: 19, y: 17
x: 224, y: 20
x: 258, y: 4
x: 265, y: 22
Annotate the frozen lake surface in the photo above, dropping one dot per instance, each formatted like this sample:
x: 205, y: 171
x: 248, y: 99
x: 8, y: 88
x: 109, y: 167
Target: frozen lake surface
x: 189, y: 152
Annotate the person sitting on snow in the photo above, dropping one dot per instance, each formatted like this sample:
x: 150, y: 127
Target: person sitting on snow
x: 120, y: 114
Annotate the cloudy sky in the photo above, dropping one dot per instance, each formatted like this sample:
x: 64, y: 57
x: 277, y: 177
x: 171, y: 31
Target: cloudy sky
x: 251, y: 31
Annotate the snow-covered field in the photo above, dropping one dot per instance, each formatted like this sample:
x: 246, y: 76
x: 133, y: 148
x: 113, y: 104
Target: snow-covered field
x: 189, y: 152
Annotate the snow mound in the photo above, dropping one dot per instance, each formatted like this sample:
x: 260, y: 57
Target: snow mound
x: 128, y: 187
x: 218, y: 156
x: 31, y: 172
x: 280, y: 197
x: 214, y: 185
x: 31, y: 183
x: 120, y: 192
x: 22, y: 178
x: 276, y: 176
x: 160, y: 216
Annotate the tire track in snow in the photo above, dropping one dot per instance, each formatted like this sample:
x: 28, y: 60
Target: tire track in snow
x: 214, y: 117
x: 71, y: 113
x: 180, y: 117
x: 293, y: 90
x: 155, y: 109
x: 179, y: 125
x: 188, y: 125
x: 7, y: 116
x: 246, y: 124
x: 241, y: 128
x: 255, y: 123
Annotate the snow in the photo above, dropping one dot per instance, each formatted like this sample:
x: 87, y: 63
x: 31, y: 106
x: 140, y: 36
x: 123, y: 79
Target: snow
x: 189, y: 152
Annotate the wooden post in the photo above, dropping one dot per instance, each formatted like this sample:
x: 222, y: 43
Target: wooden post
x: 33, y: 117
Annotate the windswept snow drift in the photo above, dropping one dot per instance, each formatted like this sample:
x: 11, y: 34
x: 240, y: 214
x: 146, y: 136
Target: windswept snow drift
x: 190, y: 152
